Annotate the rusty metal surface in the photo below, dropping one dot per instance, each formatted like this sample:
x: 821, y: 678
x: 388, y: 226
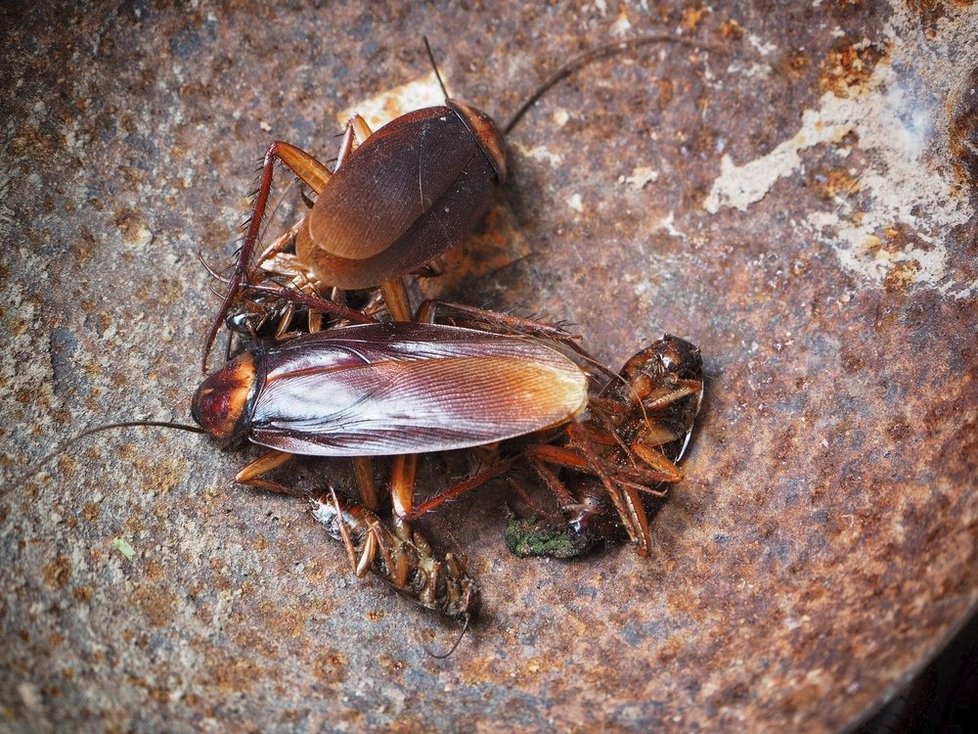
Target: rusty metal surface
x: 800, y: 203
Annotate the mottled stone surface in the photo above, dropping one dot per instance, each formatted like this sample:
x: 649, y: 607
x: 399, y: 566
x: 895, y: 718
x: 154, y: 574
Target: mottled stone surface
x: 798, y: 200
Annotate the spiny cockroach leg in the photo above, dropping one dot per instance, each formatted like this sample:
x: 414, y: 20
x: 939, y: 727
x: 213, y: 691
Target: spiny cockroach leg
x: 498, y: 468
x: 408, y: 565
x: 313, y: 173
x: 503, y: 323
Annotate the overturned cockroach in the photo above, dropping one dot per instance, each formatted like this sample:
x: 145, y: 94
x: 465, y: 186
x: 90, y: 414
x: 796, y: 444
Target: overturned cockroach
x: 396, y: 199
x: 403, y: 559
x: 636, y: 432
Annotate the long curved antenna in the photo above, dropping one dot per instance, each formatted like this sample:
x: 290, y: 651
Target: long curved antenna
x: 434, y: 65
x: 584, y: 59
x: 442, y: 656
x: 99, y: 429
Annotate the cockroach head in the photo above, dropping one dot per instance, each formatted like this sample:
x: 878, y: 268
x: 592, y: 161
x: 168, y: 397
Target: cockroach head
x: 223, y: 402
x: 486, y: 133
x: 670, y: 357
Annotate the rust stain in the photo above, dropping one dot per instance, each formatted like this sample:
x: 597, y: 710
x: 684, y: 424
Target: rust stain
x: 57, y: 573
x: 846, y: 70
x: 157, y: 605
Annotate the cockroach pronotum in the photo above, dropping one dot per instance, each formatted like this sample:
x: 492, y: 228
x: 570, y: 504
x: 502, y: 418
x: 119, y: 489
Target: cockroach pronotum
x: 396, y: 199
x: 404, y: 559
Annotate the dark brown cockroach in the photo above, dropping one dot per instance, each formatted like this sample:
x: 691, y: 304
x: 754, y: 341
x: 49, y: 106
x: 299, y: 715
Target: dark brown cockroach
x: 628, y: 445
x: 397, y: 198
x: 403, y: 558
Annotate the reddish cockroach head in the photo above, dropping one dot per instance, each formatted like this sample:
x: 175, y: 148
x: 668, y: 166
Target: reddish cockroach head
x: 223, y: 402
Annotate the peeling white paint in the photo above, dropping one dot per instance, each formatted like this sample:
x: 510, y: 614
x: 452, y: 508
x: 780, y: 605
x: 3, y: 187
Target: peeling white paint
x: 763, y: 48
x: 384, y: 107
x: 538, y: 153
x: 893, y: 118
x: 641, y: 177
x: 668, y: 224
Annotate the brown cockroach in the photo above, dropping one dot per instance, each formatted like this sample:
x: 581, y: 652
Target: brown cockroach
x: 629, y: 443
x: 396, y: 199
x: 403, y: 558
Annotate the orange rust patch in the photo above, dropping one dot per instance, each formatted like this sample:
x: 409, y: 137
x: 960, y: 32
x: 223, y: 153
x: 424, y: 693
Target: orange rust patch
x: 901, y: 275
x: 691, y: 17
x: 90, y: 511
x: 57, y: 572
x: 233, y: 676
x: 156, y: 605
x: 846, y: 71
x: 731, y: 30
x: 837, y: 181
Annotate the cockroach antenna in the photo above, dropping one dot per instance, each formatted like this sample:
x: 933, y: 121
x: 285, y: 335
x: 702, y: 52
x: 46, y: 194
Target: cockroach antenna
x: 33, y: 469
x: 434, y: 65
x: 609, y: 49
x: 442, y: 656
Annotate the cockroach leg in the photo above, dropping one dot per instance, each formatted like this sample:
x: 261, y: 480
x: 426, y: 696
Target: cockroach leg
x: 263, y: 465
x: 312, y: 173
x: 539, y: 456
x: 503, y: 323
x: 458, y: 489
x: 403, y: 472
x: 652, y: 456
x: 313, y: 302
x: 344, y: 534
x: 363, y: 471
x: 408, y: 565
x: 357, y: 131
x: 396, y: 298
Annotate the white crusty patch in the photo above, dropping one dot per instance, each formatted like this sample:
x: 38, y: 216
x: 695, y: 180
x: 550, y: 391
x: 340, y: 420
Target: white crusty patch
x: 894, y: 119
x: 384, y: 107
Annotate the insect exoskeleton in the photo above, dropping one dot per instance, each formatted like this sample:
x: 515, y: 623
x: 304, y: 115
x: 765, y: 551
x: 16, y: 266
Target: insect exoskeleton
x: 389, y: 389
x: 637, y: 431
x: 406, y: 561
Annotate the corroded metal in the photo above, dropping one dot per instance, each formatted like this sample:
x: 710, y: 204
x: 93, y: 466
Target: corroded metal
x: 797, y: 200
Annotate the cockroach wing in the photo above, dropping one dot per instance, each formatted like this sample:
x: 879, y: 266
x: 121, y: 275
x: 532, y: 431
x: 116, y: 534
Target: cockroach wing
x: 411, y: 191
x: 383, y: 389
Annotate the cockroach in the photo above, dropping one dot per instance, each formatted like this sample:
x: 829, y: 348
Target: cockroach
x: 397, y: 198
x: 392, y: 388
x: 404, y: 559
x: 629, y: 444
x: 637, y: 433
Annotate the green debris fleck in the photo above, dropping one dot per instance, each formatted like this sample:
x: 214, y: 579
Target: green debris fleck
x: 529, y: 537
x: 122, y: 545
